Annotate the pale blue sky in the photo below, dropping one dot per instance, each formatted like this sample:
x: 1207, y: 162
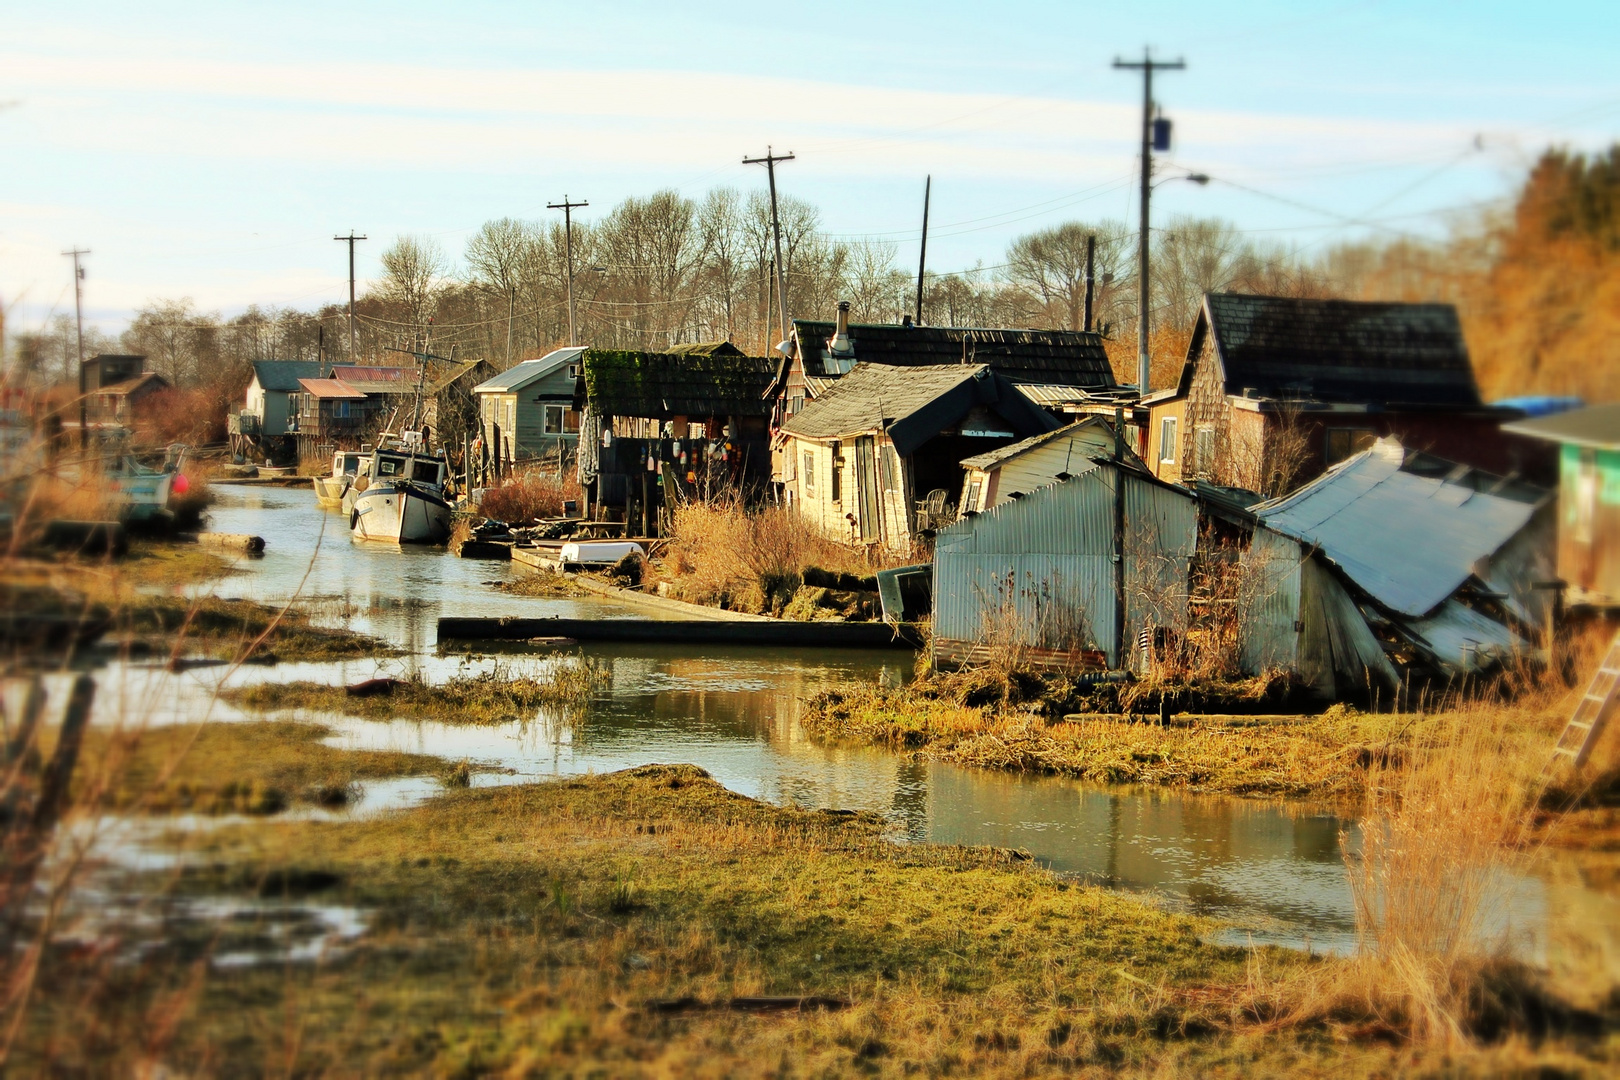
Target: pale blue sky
x: 213, y: 150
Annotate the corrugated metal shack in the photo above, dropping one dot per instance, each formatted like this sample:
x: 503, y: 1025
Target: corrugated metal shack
x: 1068, y: 574
x: 1394, y: 553
x: 692, y: 418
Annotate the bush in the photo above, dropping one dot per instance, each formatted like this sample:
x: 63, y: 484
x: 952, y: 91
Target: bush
x: 527, y: 498
x: 731, y: 557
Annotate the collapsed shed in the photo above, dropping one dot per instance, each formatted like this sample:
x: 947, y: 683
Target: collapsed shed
x: 1068, y: 574
x: 1396, y: 553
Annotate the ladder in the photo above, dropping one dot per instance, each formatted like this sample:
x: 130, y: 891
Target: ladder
x: 1591, y: 713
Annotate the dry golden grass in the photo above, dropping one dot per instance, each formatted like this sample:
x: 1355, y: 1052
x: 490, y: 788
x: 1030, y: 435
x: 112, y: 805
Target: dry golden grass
x: 523, y: 499
x: 727, y: 556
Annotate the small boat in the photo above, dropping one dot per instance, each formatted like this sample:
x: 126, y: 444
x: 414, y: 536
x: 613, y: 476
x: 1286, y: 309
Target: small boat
x: 400, y: 497
x: 329, y: 490
x: 143, y: 493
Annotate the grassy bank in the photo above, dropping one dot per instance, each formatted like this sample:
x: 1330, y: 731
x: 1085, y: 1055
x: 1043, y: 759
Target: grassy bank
x: 1325, y: 756
x: 162, y: 597
x: 650, y: 922
x: 251, y: 768
x: 491, y: 697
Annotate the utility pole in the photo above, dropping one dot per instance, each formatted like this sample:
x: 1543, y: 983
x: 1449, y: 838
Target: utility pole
x: 769, y: 161
x: 78, y: 315
x: 922, y: 259
x: 568, y: 209
x: 354, y: 338
x: 1091, y: 276
x: 1147, y: 66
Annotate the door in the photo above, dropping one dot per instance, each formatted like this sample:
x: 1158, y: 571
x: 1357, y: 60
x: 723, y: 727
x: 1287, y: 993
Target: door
x: 870, y: 499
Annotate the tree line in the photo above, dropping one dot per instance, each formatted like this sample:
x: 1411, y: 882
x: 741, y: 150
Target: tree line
x: 666, y: 269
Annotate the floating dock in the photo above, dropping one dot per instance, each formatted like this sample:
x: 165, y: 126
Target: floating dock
x: 776, y: 632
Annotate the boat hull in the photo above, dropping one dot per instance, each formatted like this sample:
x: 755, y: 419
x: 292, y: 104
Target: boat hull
x: 400, y: 514
x: 329, y: 490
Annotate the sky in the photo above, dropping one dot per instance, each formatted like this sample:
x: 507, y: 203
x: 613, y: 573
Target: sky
x: 212, y: 151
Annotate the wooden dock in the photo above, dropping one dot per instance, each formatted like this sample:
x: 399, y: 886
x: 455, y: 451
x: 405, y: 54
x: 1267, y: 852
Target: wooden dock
x: 771, y: 632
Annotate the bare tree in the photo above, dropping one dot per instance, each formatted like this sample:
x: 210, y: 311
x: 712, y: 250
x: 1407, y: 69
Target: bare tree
x: 877, y: 288
x: 1051, y: 266
x: 414, y: 268
x: 496, y: 256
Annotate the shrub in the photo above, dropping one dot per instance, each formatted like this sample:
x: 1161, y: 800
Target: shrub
x: 526, y: 498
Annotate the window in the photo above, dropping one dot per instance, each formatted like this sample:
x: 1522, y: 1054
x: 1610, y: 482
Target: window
x: 1342, y: 442
x: 796, y: 405
x: 425, y: 472
x: 1167, y: 441
x: 972, y: 501
x: 809, y: 474
x: 835, y: 489
x: 561, y: 420
x: 388, y: 466
x: 1206, y: 452
x: 340, y: 410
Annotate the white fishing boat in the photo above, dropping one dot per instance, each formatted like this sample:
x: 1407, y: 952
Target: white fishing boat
x: 329, y: 490
x: 143, y: 493
x: 400, y: 497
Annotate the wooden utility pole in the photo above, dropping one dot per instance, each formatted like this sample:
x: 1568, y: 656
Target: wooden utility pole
x: 922, y: 259
x: 354, y: 337
x: 1147, y: 66
x: 1091, y: 277
x: 568, y: 209
x: 78, y: 315
x: 769, y: 161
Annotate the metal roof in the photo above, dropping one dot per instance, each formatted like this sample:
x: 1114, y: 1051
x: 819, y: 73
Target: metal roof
x: 1596, y: 425
x: 1068, y: 357
x: 518, y: 376
x: 913, y: 404
x: 1407, y: 540
x: 1338, y: 351
x: 330, y: 388
x: 283, y: 375
x: 990, y: 460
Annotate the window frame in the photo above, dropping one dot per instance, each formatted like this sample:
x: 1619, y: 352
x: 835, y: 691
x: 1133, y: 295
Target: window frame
x: 1169, y: 428
x: 807, y: 479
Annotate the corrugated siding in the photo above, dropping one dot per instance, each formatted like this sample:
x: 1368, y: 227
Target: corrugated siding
x: 1041, y: 570
x: 1039, y: 467
x: 1270, y: 602
x: 1161, y: 535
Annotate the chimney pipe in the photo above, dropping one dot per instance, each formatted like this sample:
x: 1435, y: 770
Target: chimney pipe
x: 840, y: 344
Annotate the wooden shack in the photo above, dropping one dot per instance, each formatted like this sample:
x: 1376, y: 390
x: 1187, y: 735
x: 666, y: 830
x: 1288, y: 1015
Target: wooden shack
x: 689, y: 422
x: 1588, y: 499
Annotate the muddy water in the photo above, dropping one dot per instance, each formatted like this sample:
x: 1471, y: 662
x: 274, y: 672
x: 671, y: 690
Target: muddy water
x: 1273, y: 870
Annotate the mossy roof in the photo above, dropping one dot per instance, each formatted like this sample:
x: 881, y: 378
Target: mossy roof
x: 696, y: 381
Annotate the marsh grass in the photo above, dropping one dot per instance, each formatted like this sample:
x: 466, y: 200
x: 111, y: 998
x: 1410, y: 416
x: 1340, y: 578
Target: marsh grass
x: 252, y: 767
x: 724, y: 555
x: 541, y: 929
x: 494, y: 696
x: 541, y: 583
x: 1301, y: 756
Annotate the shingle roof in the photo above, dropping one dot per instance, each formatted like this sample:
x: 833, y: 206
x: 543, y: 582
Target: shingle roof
x: 283, y: 375
x: 701, y: 381
x: 1597, y: 426
x: 1058, y: 357
x: 1340, y: 351
x: 518, y: 376
x: 129, y: 386
x: 913, y: 404
x: 1407, y: 540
